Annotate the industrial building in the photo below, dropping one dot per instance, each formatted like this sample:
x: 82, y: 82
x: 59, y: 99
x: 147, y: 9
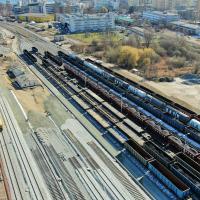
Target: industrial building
x: 186, y: 28
x: 158, y: 17
x: 83, y: 23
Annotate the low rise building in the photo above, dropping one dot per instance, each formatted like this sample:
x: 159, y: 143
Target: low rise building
x: 49, y: 7
x: 124, y: 20
x: 158, y: 17
x: 84, y: 23
x: 26, y: 81
x: 186, y: 28
x: 14, y: 72
x: 110, y: 4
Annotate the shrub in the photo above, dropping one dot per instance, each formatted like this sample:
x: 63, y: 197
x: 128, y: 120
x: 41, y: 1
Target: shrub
x: 177, y: 62
x: 128, y: 57
x: 112, y: 55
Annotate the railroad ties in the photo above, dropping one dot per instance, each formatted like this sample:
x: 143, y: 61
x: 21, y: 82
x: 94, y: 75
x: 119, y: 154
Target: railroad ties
x: 48, y: 176
x: 117, y: 173
x: 21, y: 170
x: 67, y: 180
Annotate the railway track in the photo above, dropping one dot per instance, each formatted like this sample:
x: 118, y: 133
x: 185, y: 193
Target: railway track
x: 75, y: 91
x: 29, y: 176
x: 97, y: 108
x: 119, y: 175
x: 98, y: 173
x: 47, y: 172
x: 15, y: 187
x: 52, y: 185
x: 50, y: 46
x: 106, y: 116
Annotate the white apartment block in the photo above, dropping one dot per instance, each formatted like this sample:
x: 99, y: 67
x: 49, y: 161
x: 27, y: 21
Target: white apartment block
x: 84, y: 23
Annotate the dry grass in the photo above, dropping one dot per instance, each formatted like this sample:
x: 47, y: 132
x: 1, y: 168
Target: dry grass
x: 88, y: 38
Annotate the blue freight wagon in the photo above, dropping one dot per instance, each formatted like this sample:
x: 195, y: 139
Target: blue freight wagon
x: 187, y: 176
x: 168, y: 178
x: 188, y: 163
x: 158, y: 153
x: 143, y: 156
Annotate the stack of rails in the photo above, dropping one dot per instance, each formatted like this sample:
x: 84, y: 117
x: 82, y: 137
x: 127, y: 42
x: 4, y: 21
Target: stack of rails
x: 68, y: 182
x: 48, y: 176
x: 157, y: 109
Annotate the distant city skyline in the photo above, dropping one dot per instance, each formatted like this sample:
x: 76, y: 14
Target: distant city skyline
x: 12, y: 1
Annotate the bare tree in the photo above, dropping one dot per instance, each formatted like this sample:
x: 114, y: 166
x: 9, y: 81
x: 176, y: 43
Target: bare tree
x: 148, y: 36
x: 138, y: 40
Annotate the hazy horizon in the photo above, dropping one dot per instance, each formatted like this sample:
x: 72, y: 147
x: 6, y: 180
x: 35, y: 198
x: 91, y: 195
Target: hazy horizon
x: 12, y: 1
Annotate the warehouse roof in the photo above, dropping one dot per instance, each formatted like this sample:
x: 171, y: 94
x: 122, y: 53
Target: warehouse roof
x: 185, y: 25
x: 14, y: 72
x: 25, y: 81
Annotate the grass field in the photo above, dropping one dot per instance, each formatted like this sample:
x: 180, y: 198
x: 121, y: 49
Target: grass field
x: 98, y: 37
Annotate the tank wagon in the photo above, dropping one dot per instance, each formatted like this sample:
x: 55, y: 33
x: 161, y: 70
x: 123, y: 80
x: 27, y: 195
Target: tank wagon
x: 29, y: 56
x: 143, y: 88
x: 34, y: 50
x: 159, y: 108
x: 54, y: 58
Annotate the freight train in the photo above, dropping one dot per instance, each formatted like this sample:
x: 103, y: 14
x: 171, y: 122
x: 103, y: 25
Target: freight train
x: 141, y: 115
x: 138, y: 114
x: 161, y: 109
x: 152, y: 161
x: 54, y: 58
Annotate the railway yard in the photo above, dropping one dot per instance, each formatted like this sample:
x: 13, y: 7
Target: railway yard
x: 94, y: 134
